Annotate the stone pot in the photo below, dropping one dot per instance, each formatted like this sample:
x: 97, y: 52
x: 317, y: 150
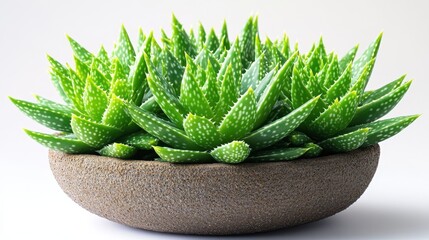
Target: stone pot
x: 215, y: 199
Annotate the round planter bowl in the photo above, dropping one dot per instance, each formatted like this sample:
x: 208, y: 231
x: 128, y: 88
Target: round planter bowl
x: 215, y: 199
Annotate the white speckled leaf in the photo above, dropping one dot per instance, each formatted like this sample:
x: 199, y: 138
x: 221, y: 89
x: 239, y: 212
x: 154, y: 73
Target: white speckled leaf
x: 347, y: 58
x: 53, y: 105
x: 79, y: 51
x: 53, y: 118
x: 240, y: 119
x: 115, y: 115
x: 182, y: 156
x: 231, y: 153
x: 367, y: 56
x: 229, y: 94
x: 360, y: 84
x: 232, y: 58
x: 122, y: 89
x: 95, y: 100
x: 182, y: 43
x: 340, y: 87
x: 141, y: 140
x: 345, y: 142
x: 81, y: 68
x: 103, y: 56
x: 283, y: 154
x: 378, y: 93
x: 192, y: 97
x: 299, y: 92
x: 210, y: 88
x: 272, y: 91
x: 161, y: 129
x: 137, y: 78
x: 202, y: 131
x: 383, y: 129
x: 118, y: 150
x: 379, y: 107
x: 92, y: 133
x: 247, y: 42
x: 335, y: 118
x: 173, y: 70
x: 78, y: 86
x: 124, y: 50
x: 277, y: 130
x: 212, y: 41
x: 205, y: 57
x: 60, y: 143
x: 333, y: 72
x: 251, y: 76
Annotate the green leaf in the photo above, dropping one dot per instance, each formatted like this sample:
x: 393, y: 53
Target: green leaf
x: 161, y: 129
x: 210, y: 88
x: 383, y: 129
x: 314, y: 150
x: 283, y: 154
x: 82, y: 69
x: 224, y: 35
x: 247, y: 43
x: 346, y: 142
x: 360, y: 64
x: 205, y: 57
x: 118, y: 150
x: 53, y: 105
x: 169, y: 104
x: 56, y: 80
x: 141, y: 140
x: 272, y: 92
x: 376, y: 94
x: 335, y: 118
x: 277, y: 130
x: 240, y: 119
x: 103, y: 56
x: 360, y: 84
x: 202, y: 131
x: 348, y: 58
x: 79, y: 51
x: 232, y: 58
x: 137, y: 78
x: 182, y: 156
x: 182, y: 43
x: 95, y: 100
x: 115, y: 115
x: 92, y: 133
x: 201, y: 36
x: 124, y: 50
x: 379, y: 107
x: 333, y: 72
x: 298, y: 139
x: 212, y: 41
x: 122, y: 89
x: 60, y: 143
x: 251, y: 76
x: 229, y: 94
x: 192, y: 97
x: 299, y: 92
x: 340, y: 87
x: 78, y: 86
x: 232, y: 153
x: 50, y: 117
x: 173, y: 70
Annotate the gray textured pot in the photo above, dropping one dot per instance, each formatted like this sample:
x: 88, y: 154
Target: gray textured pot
x: 215, y: 199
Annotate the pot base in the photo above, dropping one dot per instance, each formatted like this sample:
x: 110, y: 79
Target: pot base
x: 215, y: 199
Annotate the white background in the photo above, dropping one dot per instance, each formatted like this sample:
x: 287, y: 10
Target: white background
x: 32, y: 206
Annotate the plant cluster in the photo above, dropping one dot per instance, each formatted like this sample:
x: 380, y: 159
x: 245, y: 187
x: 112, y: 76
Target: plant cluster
x: 202, y: 98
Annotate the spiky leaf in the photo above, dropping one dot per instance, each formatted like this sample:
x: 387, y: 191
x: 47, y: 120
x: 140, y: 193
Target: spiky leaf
x: 202, y: 131
x: 141, y: 140
x: 65, y: 144
x: 277, y: 130
x: 118, y: 150
x: 233, y: 152
x: 347, y: 58
x: 240, y: 119
x: 181, y: 156
x: 50, y: 117
x: 161, y: 129
x: 379, y: 107
x: 92, y: 133
x: 95, y: 100
x: 346, y: 142
x: 124, y: 50
x: 80, y: 51
x: 367, y: 56
x: 283, y: 154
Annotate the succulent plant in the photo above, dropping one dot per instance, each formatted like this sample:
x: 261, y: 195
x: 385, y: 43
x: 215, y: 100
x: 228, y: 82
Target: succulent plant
x: 202, y: 98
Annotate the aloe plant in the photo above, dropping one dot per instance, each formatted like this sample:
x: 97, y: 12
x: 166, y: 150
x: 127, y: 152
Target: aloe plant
x: 200, y: 97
